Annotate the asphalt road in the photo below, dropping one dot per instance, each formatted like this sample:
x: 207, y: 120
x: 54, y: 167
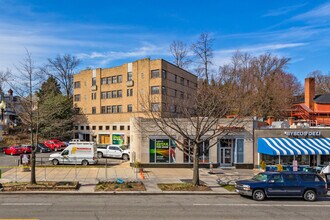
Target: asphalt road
x: 157, y: 207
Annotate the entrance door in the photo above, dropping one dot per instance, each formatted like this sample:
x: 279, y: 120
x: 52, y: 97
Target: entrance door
x: 225, y: 156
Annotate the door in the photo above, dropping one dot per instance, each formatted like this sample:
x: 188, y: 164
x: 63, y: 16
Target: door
x: 292, y: 186
x: 114, y: 151
x: 327, y: 179
x: 225, y: 156
x: 275, y: 186
x: 66, y: 158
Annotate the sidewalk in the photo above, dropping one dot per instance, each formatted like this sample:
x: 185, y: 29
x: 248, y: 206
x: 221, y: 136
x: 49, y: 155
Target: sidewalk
x: 88, y: 177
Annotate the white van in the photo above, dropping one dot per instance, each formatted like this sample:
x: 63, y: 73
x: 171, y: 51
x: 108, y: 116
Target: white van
x: 76, y: 153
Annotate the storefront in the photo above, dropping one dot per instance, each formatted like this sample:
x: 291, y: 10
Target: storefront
x: 310, y: 147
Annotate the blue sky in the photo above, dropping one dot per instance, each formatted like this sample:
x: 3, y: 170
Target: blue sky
x: 109, y: 33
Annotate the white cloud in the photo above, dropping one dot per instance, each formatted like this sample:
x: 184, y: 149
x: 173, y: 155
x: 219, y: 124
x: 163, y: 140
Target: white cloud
x: 318, y: 12
x: 283, y: 10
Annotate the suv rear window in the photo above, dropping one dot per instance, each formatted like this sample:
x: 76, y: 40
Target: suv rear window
x: 309, y: 178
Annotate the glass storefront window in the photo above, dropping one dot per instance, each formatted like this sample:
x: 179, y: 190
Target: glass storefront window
x: 203, y: 152
x: 162, y: 150
x: 325, y: 159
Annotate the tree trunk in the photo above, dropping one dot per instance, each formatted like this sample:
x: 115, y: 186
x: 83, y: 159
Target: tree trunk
x: 33, y: 160
x: 195, y: 180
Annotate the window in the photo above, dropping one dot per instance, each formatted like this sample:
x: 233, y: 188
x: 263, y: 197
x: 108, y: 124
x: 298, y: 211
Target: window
x: 94, y: 81
x: 309, y: 178
x: 93, y: 127
x: 155, y: 107
x: 114, y: 109
x: 114, y: 79
x: 128, y: 127
x: 119, y: 78
x: 108, y: 80
x: 119, y: 93
x: 93, y: 95
x: 108, y: 95
x: 277, y: 178
x: 154, y: 89
x: 290, y: 177
x: 114, y: 127
x: 107, y: 127
x: 164, y: 74
x: 129, y: 92
x: 93, y: 110
x: 77, y: 84
x: 103, y: 95
x: 119, y: 108
x: 108, y: 109
x: 129, y: 76
x: 100, y: 128
x: 103, y: 110
x: 154, y: 73
x: 187, y: 82
x: 81, y: 127
x: 175, y: 78
x: 129, y: 108
x: 77, y: 98
x: 162, y: 150
x: 87, y: 128
x: 240, y: 150
x: 182, y: 81
x: 114, y: 94
x: 163, y: 90
x: 104, y: 81
x: 182, y: 95
x: 122, y: 127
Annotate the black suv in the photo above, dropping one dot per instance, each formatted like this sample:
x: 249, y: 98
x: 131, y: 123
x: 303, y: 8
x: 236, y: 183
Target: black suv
x: 284, y: 184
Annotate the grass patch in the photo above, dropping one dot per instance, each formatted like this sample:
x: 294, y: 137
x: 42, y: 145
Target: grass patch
x: 40, y: 186
x: 182, y: 187
x: 114, y: 186
x: 230, y: 188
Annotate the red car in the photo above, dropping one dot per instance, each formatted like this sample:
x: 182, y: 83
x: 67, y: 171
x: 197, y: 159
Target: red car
x: 27, y: 149
x: 13, y: 150
x: 55, y: 145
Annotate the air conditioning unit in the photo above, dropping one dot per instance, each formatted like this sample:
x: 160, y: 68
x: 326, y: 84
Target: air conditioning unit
x: 130, y: 83
x: 94, y: 88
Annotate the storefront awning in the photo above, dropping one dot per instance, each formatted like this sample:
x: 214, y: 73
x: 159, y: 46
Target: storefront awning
x: 294, y: 146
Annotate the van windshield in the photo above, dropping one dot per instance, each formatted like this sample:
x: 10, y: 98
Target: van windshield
x: 261, y: 177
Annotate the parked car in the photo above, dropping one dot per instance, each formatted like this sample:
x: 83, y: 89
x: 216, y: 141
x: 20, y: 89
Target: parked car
x: 26, y: 149
x: 42, y: 148
x: 284, y: 184
x: 13, y: 150
x: 55, y: 145
x: 113, y: 151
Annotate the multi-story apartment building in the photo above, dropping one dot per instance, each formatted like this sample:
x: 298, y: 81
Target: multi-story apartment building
x: 108, y: 98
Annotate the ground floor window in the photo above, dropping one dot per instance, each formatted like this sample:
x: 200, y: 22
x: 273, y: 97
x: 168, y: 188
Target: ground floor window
x: 118, y: 139
x: 104, y: 138
x: 203, y: 152
x: 162, y: 150
x: 230, y: 151
x: 288, y: 159
x: 325, y: 159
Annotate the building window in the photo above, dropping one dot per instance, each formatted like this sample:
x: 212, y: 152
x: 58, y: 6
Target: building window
x: 154, y: 73
x: 114, y: 109
x: 109, y: 80
x: 164, y: 74
x: 182, y: 81
x: 162, y: 150
x: 93, y: 95
x: 122, y: 127
x: 175, y: 78
x: 119, y: 93
x: 93, y: 127
x: 181, y: 95
x: 103, y: 110
x: 119, y: 108
x: 129, y: 108
x: 93, y: 110
x: 77, y: 84
x: 114, y: 79
x: 100, y: 128
x: 114, y: 94
x: 77, y: 98
x: 109, y: 109
x: 114, y: 128
x: 187, y: 82
x: 163, y: 90
x: 155, y: 107
x: 94, y: 81
x: 119, y: 78
x: 76, y: 128
x: 104, y: 81
x: 103, y: 95
x: 129, y: 92
x: 107, y: 127
x: 154, y: 89
x: 87, y: 128
x: 129, y: 76
x: 128, y: 127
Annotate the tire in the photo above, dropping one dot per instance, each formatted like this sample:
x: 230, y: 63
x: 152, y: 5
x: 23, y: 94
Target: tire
x: 84, y: 162
x: 125, y: 157
x: 55, y: 162
x: 258, y: 195
x: 310, y: 195
x: 99, y: 154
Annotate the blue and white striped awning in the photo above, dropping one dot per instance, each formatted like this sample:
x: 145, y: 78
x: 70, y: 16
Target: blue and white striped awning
x: 294, y: 146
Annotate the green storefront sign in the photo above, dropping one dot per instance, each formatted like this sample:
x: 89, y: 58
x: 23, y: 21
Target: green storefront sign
x: 118, y: 139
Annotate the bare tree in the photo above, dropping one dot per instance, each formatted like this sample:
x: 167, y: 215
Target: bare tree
x: 322, y: 82
x: 62, y: 68
x: 179, y: 51
x: 28, y: 81
x: 194, y: 120
x: 203, y: 51
x: 4, y: 76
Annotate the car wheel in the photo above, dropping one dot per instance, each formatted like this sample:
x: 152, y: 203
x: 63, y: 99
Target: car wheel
x: 310, y: 195
x: 99, y: 154
x: 125, y: 157
x: 55, y: 162
x: 55, y: 149
x: 258, y: 195
x: 84, y: 162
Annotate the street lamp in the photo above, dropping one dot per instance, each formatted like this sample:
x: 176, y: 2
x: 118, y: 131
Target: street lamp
x: 2, y: 104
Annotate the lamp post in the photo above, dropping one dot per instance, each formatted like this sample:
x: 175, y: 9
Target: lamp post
x: 2, y: 105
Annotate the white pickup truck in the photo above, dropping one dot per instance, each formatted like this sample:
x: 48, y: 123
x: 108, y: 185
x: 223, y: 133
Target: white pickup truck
x: 113, y: 151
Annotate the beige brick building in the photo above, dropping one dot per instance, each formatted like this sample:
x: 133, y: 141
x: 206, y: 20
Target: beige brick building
x: 108, y: 98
